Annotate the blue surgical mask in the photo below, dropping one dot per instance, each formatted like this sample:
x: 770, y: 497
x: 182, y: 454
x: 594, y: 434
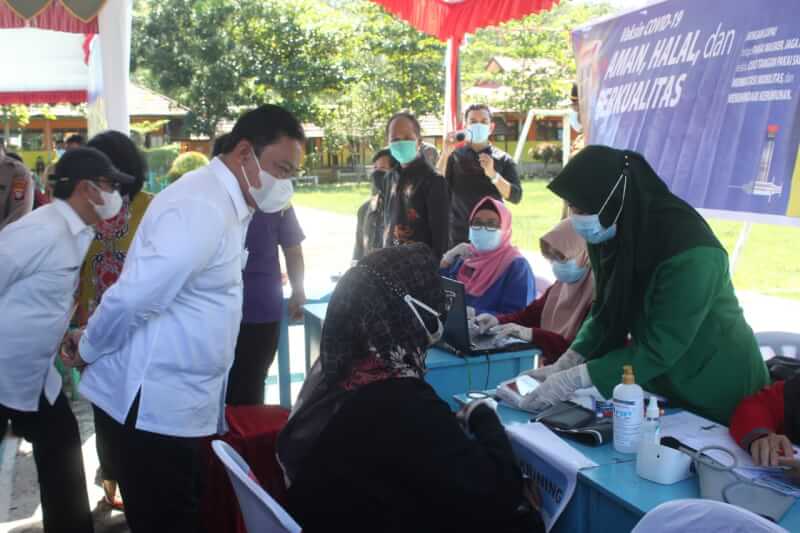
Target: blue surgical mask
x: 404, y: 151
x: 479, y: 133
x: 569, y: 271
x: 484, y: 240
x: 589, y: 226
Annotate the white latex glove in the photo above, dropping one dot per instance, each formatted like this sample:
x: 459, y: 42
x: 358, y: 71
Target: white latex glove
x: 569, y: 359
x: 452, y: 255
x: 485, y: 321
x: 465, y: 412
x: 558, y: 387
x: 513, y: 330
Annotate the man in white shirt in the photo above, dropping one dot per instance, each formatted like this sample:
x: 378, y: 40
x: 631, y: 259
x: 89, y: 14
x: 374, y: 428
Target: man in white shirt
x: 40, y: 260
x: 161, y: 342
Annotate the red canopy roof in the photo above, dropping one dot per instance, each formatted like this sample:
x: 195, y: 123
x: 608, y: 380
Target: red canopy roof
x: 54, y: 16
x: 453, y: 18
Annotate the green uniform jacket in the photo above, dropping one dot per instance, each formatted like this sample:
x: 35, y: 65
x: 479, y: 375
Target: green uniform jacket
x: 690, y: 344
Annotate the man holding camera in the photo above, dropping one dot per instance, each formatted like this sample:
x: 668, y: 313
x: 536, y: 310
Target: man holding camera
x: 476, y: 170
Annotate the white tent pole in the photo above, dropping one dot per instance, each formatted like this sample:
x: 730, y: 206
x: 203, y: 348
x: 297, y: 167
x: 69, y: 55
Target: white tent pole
x: 448, y: 104
x: 114, y: 22
x: 523, y: 136
x: 452, y: 86
x: 737, y: 250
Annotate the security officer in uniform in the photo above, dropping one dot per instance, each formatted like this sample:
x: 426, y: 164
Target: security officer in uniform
x: 16, y: 190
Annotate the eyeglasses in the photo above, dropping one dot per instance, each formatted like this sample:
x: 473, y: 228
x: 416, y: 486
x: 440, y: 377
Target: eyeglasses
x: 113, y: 184
x: 487, y: 227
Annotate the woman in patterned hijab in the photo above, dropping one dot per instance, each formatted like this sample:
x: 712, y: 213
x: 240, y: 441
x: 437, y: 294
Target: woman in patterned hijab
x: 370, y: 446
x: 373, y: 331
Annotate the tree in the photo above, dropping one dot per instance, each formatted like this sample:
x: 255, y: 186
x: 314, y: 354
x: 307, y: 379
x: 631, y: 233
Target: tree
x: 219, y: 56
x: 16, y: 113
x: 184, y: 163
x: 389, y: 66
x: 544, y: 36
x: 142, y: 129
x: 283, y: 60
x: 185, y: 47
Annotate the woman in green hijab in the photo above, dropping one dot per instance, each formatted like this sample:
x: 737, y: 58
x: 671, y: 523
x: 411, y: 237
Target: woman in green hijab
x: 664, y: 300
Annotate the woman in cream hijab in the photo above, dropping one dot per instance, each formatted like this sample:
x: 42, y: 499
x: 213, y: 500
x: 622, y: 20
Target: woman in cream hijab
x: 552, y: 321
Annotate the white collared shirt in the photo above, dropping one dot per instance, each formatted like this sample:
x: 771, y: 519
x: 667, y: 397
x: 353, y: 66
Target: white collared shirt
x: 40, y: 265
x: 168, y: 327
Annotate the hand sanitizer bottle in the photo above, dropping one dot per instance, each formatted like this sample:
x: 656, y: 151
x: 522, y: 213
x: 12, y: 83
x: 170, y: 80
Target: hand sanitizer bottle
x: 651, y: 428
x: 628, y: 413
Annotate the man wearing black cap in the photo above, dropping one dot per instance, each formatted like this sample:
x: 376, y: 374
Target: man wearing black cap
x: 159, y: 346
x: 40, y: 260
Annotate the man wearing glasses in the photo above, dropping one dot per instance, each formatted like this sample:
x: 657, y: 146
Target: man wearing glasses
x: 40, y: 259
x: 271, y: 228
x: 159, y: 346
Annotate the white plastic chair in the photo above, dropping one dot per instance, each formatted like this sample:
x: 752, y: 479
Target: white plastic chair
x: 262, y: 514
x: 703, y: 516
x: 774, y: 343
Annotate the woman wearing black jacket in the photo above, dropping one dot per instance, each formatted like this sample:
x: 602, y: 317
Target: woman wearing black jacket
x: 417, y: 207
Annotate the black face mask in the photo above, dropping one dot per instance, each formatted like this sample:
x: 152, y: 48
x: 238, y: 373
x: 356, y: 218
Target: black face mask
x: 378, y: 179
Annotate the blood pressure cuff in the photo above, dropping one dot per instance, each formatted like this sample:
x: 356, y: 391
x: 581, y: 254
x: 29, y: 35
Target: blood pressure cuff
x: 577, y: 422
x: 721, y: 482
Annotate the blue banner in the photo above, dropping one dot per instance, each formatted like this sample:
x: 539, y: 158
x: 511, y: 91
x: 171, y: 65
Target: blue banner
x: 707, y: 91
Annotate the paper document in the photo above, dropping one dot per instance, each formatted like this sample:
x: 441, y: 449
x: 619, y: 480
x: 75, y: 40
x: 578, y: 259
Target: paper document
x: 551, y: 463
x: 513, y: 390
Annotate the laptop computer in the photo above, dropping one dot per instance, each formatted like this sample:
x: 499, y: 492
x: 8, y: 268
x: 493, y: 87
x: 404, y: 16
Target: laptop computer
x: 462, y: 338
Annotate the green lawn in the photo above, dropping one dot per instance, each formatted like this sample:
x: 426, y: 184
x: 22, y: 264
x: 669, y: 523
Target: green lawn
x: 770, y: 262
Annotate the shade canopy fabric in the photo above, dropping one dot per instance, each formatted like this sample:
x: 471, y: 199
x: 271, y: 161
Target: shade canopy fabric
x: 452, y: 19
x: 51, y: 66
x: 73, y: 16
x: 48, y: 67
x: 49, y: 60
x: 449, y: 21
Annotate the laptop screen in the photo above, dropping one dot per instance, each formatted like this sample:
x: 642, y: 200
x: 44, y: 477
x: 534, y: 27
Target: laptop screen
x: 456, y: 332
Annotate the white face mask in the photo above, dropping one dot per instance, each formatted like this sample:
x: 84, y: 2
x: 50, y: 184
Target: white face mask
x: 274, y: 194
x: 112, y: 203
x: 413, y: 303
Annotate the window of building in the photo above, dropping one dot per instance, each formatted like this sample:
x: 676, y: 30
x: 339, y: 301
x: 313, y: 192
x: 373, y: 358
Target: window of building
x: 32, y: 140
x: 547, y: 130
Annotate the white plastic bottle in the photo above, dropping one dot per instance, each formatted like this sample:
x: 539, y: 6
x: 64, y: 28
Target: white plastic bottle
x: 628, y: 413
x: 651, y: 427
